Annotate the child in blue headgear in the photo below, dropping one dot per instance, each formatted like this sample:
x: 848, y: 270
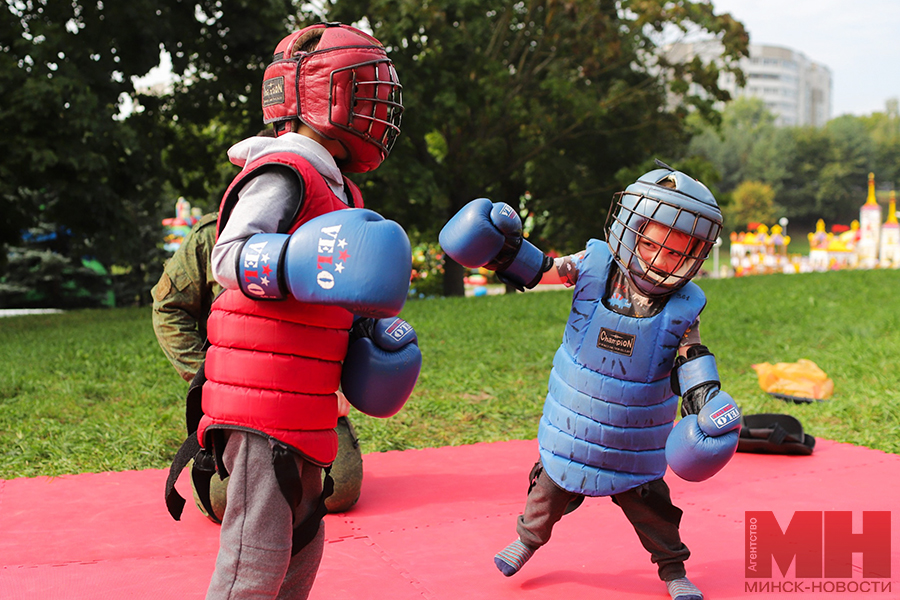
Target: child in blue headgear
x: 631, y: 346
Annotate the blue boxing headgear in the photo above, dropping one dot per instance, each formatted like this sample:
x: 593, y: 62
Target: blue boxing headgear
x: 675, y: 201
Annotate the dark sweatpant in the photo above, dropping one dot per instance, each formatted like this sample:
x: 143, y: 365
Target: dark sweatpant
x: 648, y: 507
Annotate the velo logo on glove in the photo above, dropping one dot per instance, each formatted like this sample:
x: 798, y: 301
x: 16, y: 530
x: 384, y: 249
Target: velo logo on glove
x: 507, y: 211
x: 398, y: 329
x: 726, y: 415
x: 326, y: 247
x: 258, y: 276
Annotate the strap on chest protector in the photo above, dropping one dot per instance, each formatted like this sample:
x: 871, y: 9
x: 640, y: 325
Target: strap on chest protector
x: 205, y: 463
x: 210, y: 463
x: 288, y: 476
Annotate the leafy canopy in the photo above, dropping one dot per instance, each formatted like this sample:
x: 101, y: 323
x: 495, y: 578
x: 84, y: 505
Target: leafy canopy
x: 536, y: 103
x: 72, y: 155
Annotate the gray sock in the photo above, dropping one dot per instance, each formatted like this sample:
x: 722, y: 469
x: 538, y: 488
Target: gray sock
x: 683, y: 589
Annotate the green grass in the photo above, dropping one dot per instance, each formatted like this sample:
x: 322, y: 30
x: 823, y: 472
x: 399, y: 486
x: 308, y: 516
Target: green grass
x: 91, y: 391
x: 846, y: 322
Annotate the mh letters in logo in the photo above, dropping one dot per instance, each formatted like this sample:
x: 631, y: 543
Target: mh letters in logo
x: 820, y: 544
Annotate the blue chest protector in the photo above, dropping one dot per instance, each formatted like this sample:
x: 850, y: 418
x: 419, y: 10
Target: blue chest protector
x: 609, y: 406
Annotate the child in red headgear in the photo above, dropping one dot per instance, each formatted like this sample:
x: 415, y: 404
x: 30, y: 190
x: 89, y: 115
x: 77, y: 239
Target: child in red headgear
x: 296, y: 266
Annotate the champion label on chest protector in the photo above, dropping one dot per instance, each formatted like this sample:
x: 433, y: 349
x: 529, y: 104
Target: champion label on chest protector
x: 614, y: 341
x: 273, y: 91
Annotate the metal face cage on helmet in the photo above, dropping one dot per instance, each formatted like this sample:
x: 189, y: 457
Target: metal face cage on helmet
x: 661, y: 229
x: 345, y: 88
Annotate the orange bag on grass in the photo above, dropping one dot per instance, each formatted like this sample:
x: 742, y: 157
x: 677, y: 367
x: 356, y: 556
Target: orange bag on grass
x: 802, y: 379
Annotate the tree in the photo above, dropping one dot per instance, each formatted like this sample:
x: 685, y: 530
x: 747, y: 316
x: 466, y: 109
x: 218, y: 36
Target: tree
x: 827, y: 172
x: 814, y: 172
x: 219, y: 51
x: 536, y: 103
x: 884, y: 130
x: 743, y: 147
x: 65, y: 159
x: 798, y: 190
x: 72, y: 157
x: 752, y: 202
x: 845, y: 178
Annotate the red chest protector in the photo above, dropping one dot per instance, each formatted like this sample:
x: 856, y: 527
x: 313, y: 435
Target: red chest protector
x: 273, y: 367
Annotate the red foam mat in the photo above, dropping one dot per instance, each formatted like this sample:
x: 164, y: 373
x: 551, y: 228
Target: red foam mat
x: 427, y: 526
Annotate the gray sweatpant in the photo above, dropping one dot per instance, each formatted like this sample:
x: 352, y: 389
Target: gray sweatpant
x: 254, y: 560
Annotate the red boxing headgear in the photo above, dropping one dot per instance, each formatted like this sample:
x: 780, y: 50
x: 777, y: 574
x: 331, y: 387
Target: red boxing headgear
x: 345, y: 89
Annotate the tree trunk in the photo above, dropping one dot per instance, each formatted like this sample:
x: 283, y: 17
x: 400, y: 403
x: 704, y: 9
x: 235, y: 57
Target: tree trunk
x: 453, y: 278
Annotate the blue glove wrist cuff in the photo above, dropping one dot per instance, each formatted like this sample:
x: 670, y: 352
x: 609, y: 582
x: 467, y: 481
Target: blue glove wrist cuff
x: 259, y: 266
x: 527, y: 267
x: 697, y: 371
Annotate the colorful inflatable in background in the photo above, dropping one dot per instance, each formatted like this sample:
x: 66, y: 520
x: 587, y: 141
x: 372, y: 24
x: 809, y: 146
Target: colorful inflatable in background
x: 478, y: 281
x: 176, y: 228
x: 761, y: 251
x: 866, y: 244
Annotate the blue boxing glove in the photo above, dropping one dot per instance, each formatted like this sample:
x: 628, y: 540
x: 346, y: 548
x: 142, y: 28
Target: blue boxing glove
x: 486, y: 234
x: 351, y: 258
x: 382, y: 365
x: 706, y: 438
x: 700, y: 445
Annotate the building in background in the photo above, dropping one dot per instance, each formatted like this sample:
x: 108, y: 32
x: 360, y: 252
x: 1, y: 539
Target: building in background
x: 794, y: 88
